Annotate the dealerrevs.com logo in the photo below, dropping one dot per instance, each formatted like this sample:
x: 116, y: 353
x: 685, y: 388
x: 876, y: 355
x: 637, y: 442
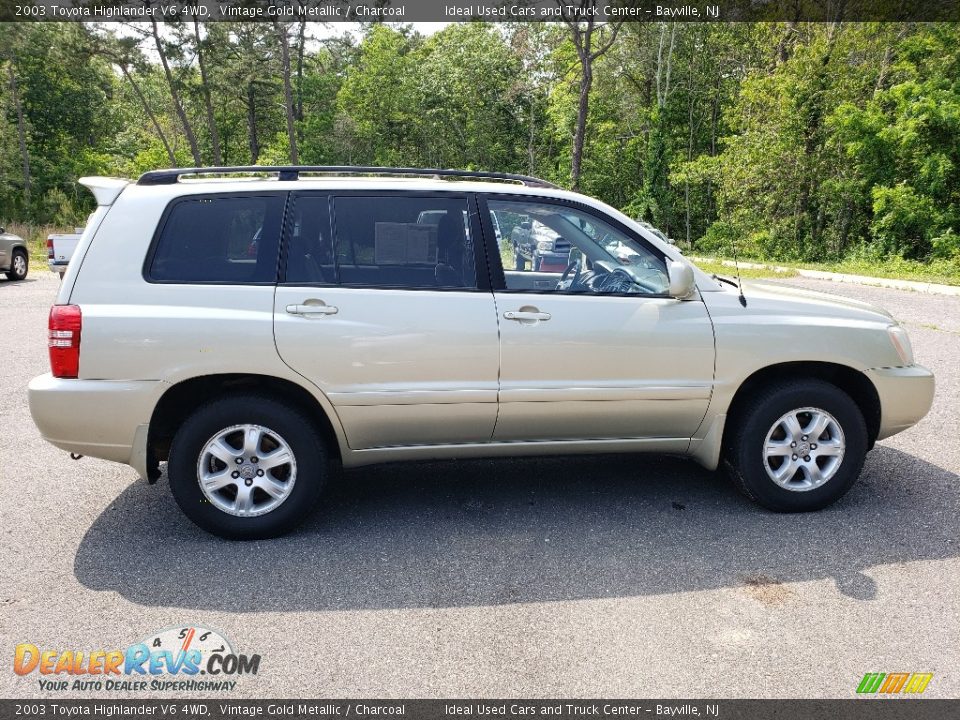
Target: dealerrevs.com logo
x: 176, y: 659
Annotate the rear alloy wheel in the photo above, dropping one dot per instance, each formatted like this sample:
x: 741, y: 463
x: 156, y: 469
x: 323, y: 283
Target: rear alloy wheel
x: 247, y: 470
x: 18, y: 265
x: 797, y: 446
x: 246, y: 467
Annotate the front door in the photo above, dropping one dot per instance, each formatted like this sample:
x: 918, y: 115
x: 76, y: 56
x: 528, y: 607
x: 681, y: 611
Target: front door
x: 597, y: 351
x: 380, y: 307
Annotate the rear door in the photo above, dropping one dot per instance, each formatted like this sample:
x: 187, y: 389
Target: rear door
x: 381, y: 305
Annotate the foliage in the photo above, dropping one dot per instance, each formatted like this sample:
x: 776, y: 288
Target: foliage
x: 788, y: 141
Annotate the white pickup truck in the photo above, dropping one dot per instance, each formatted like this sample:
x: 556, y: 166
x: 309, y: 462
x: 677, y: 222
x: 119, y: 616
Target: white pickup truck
x: 60, y: 247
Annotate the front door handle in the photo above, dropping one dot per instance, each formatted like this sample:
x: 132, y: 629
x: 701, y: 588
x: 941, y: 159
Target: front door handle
x: 317, y: 307
x: 526, y: 315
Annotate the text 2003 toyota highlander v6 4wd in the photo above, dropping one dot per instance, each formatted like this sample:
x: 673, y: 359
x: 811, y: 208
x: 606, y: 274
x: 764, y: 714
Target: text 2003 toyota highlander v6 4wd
x: 248, y: 329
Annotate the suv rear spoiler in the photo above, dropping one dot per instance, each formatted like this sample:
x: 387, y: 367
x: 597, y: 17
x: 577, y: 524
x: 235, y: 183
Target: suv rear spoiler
x: 104, y: 189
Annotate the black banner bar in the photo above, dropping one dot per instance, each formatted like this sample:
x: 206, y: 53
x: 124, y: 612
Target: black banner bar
x: 404, y: 11
x: 216, y: 709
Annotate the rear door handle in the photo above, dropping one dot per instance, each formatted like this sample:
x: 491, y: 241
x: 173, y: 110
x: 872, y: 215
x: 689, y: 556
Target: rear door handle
x: 307, y: 310
x: 525, y: 315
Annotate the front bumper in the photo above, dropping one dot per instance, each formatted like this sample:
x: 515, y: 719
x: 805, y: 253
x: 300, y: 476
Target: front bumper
x: 101, y: 418
x: 906, y: 394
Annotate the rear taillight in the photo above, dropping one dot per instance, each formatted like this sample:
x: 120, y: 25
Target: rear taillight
x: 49, y: 249
x: 64, y: 342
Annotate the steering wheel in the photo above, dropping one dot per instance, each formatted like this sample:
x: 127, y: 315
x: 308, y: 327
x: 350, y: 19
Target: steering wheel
x: 620, y: 281
x: 575, y: 265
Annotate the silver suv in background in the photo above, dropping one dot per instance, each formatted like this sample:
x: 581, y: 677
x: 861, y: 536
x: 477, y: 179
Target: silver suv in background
x: 249, y: 325
x: 14, y: 257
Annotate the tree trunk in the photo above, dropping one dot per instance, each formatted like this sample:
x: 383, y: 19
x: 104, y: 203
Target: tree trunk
x: 150, y: 114
x: 782, y: 53
x: 664, y: 68
x: 21, y: 131
x: 714, y: 117
x: 208, y: 103
x: 582, y: 41
x: 686, y: 184
x: 531, y: 140
x: 301, y: 42
x: 175, y: 95
x: 252, y: 123
x: 287, y: 92
x: 583, y: 108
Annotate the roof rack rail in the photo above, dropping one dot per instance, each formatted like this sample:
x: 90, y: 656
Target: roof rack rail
x: 292, y: 172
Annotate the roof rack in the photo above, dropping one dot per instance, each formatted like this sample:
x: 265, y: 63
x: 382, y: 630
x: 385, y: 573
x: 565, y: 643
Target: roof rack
x: 292, y: 172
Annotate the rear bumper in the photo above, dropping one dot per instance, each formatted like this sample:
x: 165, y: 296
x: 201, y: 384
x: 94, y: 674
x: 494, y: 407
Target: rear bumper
x: 906, y: 394
x: 101, y: 418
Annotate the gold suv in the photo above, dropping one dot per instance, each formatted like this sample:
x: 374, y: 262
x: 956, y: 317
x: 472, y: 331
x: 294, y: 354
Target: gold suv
x: 247, y: 325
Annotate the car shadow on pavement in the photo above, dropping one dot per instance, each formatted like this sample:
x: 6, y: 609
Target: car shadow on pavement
x: 488, y: 532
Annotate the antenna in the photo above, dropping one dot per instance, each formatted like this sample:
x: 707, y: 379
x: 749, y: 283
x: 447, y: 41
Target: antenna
x: 736, y: 265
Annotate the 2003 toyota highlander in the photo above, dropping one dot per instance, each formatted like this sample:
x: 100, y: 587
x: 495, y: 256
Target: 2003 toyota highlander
x: 249, y: 325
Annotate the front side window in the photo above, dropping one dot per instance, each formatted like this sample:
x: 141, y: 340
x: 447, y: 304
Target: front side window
x: 404, y: 241
x: 219, y: 240
x: 551, y: 247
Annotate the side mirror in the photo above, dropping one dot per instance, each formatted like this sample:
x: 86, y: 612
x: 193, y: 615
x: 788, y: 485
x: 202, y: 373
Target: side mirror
x: 2, y: 230
x: 682, y: 284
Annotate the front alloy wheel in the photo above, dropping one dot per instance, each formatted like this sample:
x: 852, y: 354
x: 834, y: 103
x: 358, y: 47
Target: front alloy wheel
x: 804, y: 449
x: 796, y: 445
x: 18, y: 266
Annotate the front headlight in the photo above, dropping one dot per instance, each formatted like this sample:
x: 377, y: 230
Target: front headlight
x: 901, y: 343
x: 544, y: 246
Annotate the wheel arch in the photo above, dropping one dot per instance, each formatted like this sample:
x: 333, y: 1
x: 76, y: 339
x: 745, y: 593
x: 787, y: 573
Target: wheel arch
x: 182, y: 398
x: 852, y: 381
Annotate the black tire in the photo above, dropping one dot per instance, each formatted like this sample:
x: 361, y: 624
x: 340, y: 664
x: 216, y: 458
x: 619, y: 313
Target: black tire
x: 746, y: 459
x: 17, y: 270
x: 519, y: 262
x: 295, y: 429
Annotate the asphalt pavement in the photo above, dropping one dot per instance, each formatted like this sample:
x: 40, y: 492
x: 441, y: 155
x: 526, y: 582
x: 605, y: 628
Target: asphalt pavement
x: 613, y: 576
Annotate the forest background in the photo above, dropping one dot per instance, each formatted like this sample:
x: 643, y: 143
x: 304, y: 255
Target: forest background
x: 829, y: 144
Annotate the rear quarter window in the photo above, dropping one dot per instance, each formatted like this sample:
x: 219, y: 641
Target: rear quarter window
x: 216, y: 239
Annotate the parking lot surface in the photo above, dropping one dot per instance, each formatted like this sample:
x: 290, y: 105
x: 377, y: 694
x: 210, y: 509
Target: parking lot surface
x: 628, y: 576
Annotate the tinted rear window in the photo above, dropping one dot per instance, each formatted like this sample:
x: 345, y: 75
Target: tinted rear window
x: 219, y: 239
x: 404, y: 241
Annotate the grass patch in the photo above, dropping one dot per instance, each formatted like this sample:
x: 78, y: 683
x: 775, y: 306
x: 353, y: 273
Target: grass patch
x: 946, y: 272
x: 717, y: 268
x: 506, y: 257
